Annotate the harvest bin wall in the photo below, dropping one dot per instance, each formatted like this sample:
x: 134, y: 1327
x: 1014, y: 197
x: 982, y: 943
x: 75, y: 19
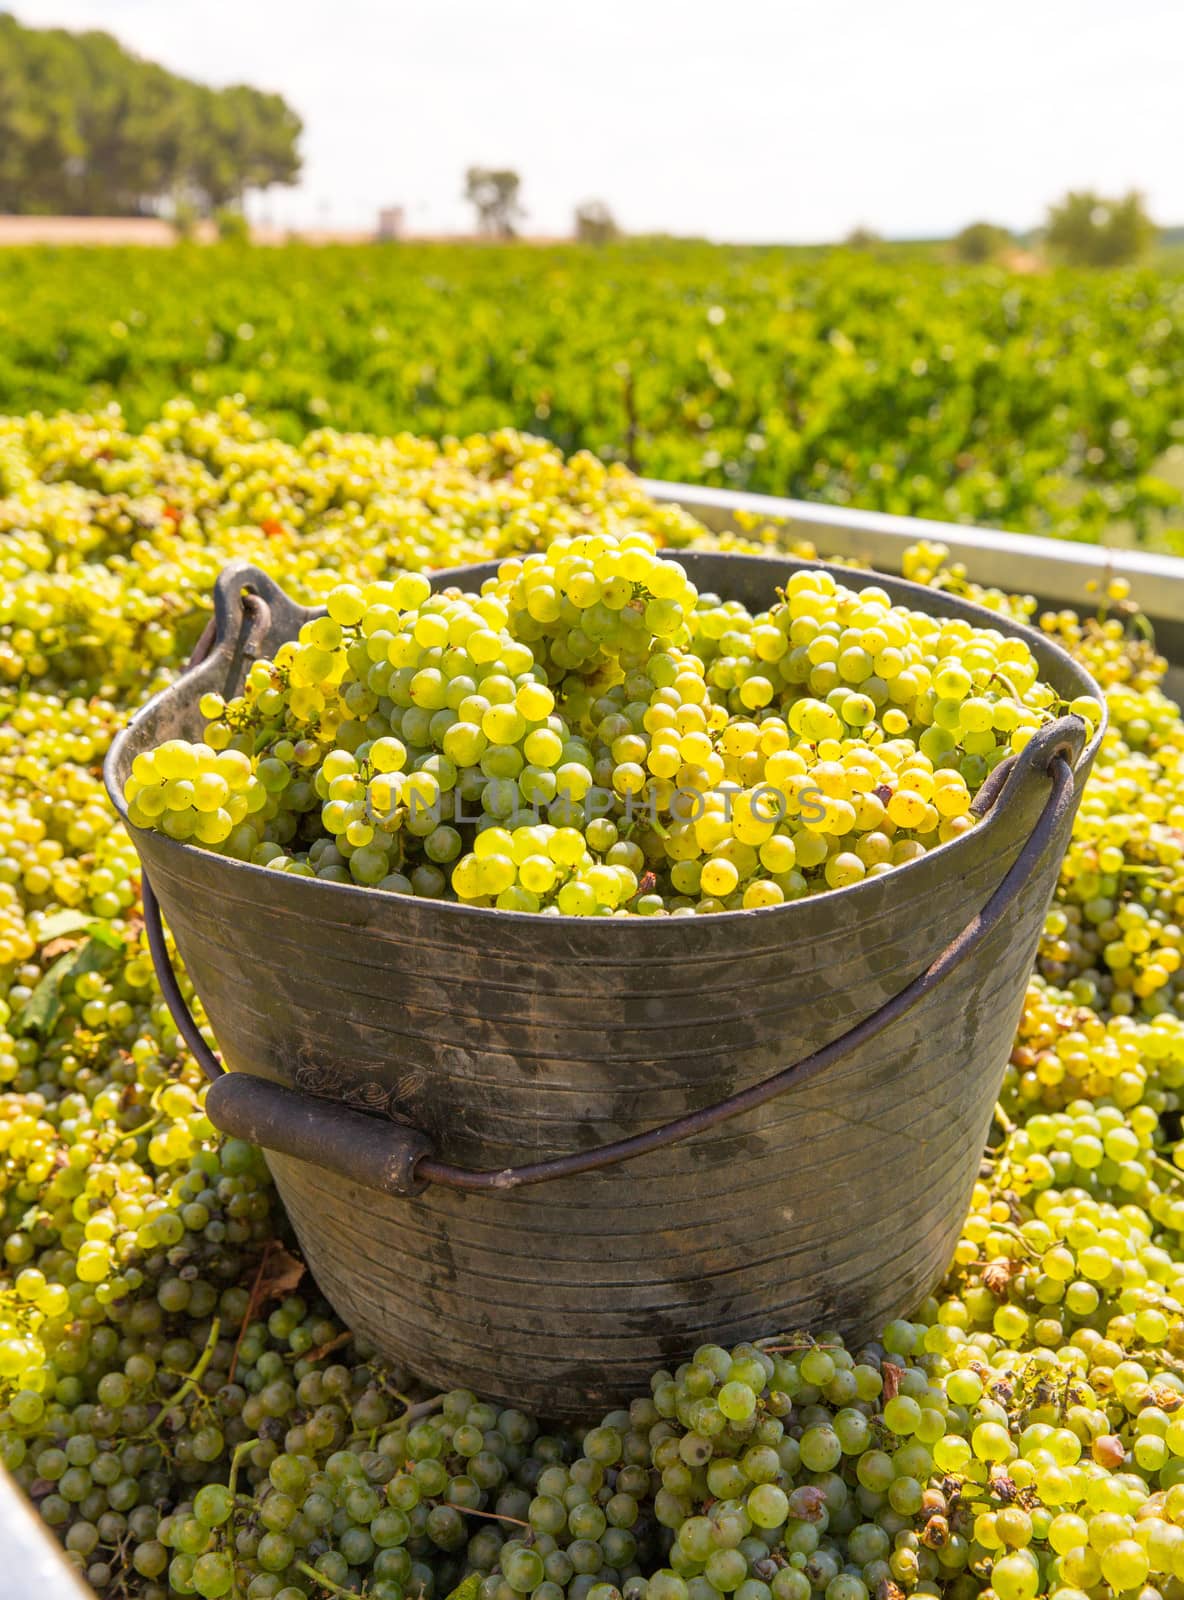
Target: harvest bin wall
x: 510, y: 1038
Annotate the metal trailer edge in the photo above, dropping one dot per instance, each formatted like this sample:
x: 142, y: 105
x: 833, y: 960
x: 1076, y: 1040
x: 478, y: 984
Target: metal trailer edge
x: 1054, y: 571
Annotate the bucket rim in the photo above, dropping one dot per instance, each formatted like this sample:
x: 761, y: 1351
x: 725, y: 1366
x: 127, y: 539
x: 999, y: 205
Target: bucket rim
x: 968, y: 610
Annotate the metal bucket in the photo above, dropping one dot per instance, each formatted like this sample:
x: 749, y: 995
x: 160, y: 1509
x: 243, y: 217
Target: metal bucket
x: 541, y: 1156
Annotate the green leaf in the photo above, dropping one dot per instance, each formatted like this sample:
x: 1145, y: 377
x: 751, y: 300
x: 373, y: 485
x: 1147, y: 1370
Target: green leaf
x: 64, y: 922
x: 97, y: 955
x: 43, y: 1007
x: 40, y: 1010
x: 468, y: 1588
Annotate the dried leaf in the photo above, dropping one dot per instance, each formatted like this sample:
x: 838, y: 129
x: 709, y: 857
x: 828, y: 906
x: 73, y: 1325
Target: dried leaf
x: 891, y: 1375
x: 281, y: 1274
x: 278, y: 1274
x: 998, y: 1275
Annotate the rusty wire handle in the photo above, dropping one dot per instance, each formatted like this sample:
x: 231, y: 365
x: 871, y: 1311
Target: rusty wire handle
x: 400, y: 1160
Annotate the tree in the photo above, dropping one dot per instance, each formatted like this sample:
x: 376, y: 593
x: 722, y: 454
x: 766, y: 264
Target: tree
x: 494, y: 193
x: 595, y: 223
x: 90, y: 129
x: 266, y: 130
x: 981, y: 241
x: 1086, y: 230
x: 862, y: 238
x: 243, y: 140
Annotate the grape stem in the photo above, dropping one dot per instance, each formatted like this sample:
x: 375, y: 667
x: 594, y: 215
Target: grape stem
x: 1168, y: 1167
x: 495, y: 1516
x: 1012, y: 1232
x: 789, y: 1349
x: 322, y: 1350
x: 1172, y: 1363
x: 193, y: 1378
x: 326, y: 1583
x: 1003, y: 1119
x: 252, y: 1307
x: 1008, y: 685
x: 132, y: 1134
x: 240, y: 1450
x: 422, y: 1408
x: 415, y: 1409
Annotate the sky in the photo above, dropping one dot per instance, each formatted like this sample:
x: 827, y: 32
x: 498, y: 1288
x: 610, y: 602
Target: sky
x: 770, y: 120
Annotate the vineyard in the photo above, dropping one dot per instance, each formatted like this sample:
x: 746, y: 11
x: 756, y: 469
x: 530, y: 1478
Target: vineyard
x: 1042, y: 403
x: 178, y: 1399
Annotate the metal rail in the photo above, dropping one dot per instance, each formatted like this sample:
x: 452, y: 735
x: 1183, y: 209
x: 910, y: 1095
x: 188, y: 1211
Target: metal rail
x: 1055, y: 571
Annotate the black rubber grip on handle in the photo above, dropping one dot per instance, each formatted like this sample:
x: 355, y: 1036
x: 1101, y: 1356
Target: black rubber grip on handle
x: 369, y: 1150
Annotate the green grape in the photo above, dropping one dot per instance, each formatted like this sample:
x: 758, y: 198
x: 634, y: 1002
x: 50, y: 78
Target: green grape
x: 542, y: 737
x: 1018, y: 1431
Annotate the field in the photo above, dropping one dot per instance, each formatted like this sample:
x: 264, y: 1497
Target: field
x: 177, y: 1399
x: 1046, y: 403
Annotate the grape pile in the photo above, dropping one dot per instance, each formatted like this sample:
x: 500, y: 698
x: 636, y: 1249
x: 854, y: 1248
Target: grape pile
x: 177, y: 1399
x: 583, y: 738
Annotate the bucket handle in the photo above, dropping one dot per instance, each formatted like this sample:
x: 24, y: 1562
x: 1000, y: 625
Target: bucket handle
x: 399, y: 1159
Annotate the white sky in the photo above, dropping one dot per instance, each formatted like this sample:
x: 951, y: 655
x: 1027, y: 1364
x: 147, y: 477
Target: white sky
x: 739, y: 119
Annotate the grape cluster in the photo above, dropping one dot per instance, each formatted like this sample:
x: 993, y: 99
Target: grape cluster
x: 183, y: 1408
x: 589, y: 735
